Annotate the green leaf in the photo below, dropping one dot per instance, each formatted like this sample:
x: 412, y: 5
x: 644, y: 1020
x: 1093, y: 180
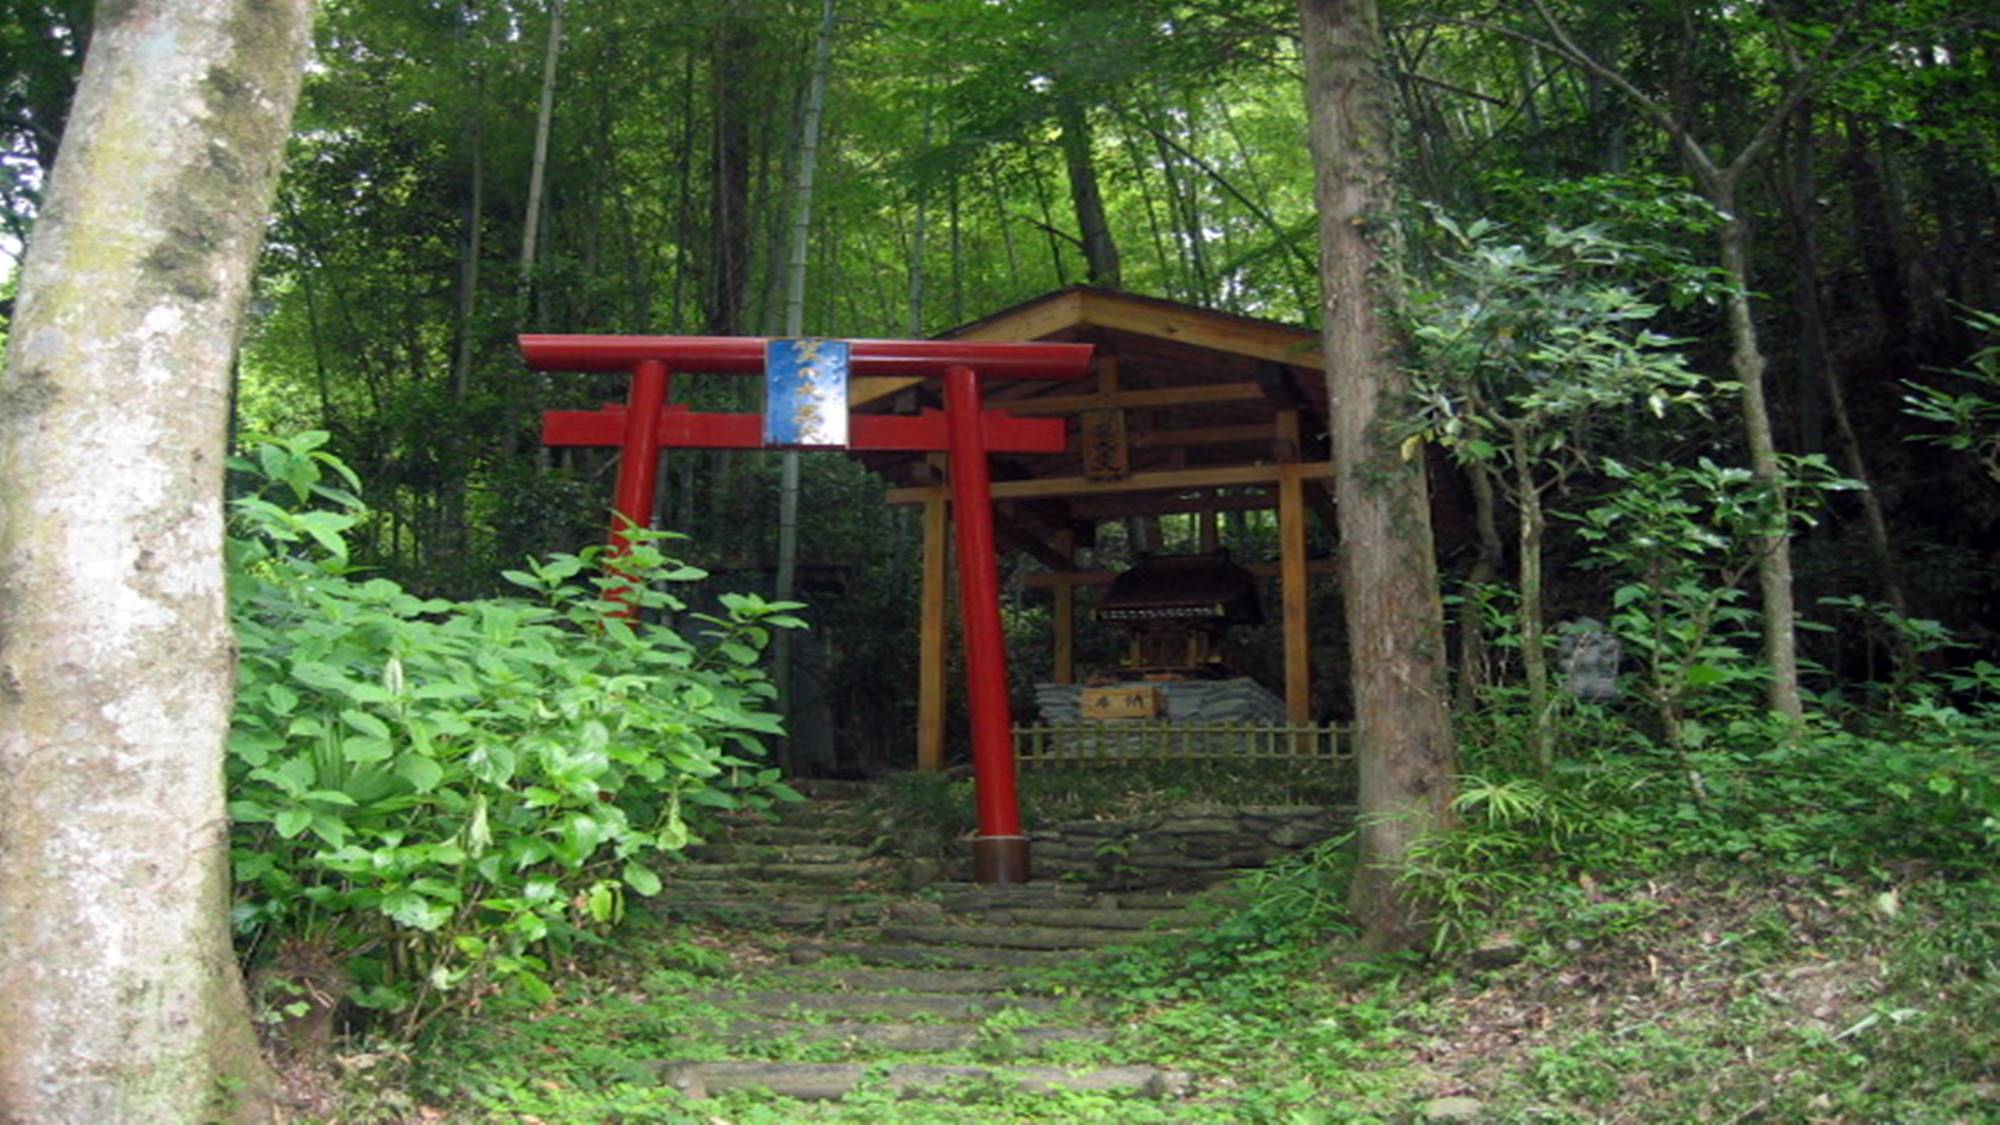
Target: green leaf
x: 603, y: 902
x: 421, y: 772
x: 362, y: 750
x: 365, y: 723
x: 411, y: 909
x: 1705, y: 675
x: 291, y: 822
x: 642, y: 879
x: 534, y: 988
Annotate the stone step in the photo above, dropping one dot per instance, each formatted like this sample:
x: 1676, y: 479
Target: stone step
x: 787, y: 854
x: 846, y: 816
x: 909, y: 980
x: 703, y: 889
x: 860, y: 871
x: 783, y: 835
x: 894, y: 1005
x: 973, y: 898
x: 1113, y: 919
x: 833, y: 1081
x: 830, y: 787
x: 782, y: 913
x: 936, y: 956
x: 865, y: 1036
x: 1007, y: 937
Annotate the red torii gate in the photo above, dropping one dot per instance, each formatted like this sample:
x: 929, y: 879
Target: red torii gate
x: 966, y: 431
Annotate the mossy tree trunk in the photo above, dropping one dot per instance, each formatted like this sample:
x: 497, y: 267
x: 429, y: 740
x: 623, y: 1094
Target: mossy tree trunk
x: 1388, y: 569
x: 1534, y: 653
x: 122, y: 997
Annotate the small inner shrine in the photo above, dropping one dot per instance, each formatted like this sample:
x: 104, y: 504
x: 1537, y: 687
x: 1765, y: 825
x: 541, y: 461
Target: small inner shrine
x: 1173, y: 614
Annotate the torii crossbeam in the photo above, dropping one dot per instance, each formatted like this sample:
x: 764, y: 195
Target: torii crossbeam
x: 807, y: 409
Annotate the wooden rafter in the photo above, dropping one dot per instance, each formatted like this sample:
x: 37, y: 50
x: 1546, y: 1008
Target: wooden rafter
x: 1166, y: 481
x: 1105, y: 577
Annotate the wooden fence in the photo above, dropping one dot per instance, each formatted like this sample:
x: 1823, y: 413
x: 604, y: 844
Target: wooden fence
x: 1133, y: 741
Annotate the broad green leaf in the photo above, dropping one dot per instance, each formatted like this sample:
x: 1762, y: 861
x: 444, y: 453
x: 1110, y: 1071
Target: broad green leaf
x: 365, y: 723
x: 642, y: 879
x: 361, y: 750
x: 421, y: 772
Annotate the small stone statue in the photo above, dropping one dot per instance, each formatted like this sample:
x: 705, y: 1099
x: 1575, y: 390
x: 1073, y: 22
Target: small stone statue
x: 1589, y: 654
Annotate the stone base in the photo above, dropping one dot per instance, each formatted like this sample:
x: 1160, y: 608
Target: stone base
x: 1000, y: 859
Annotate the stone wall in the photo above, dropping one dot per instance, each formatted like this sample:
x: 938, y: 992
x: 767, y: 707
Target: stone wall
x: 1239, y: 700
x: 1185, y: 848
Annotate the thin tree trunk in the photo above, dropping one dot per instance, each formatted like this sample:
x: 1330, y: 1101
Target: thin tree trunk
x: 684, y: 200
x: 1774, y: 551
x: 1799, y: 199
x: 544, y: 114
x: 957, y: 250
x: 1100, y: 250
x: 1006, y: 226
x: 795, y: 315
x: 1135, y: 156
x: 919, y: 226
x: 1718, y: 185
x: 1048, y: 217
x: 1474, y: 654
x: 1395, y: 623
x: 1534, y: 657
x: 123, y: 1001
x: 468, y: 307
x: 729, y: 227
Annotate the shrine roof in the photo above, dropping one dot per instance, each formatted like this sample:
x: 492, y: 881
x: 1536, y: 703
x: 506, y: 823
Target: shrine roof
x: 1204, y: 398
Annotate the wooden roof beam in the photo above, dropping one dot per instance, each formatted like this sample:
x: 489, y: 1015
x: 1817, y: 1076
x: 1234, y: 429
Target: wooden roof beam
x: 1012, y: 533
x: 1255, y: 433
x: 1195, y: 394
x: 1285, y: 395
x: 1105, y: 577
x: 1203, y: 328
x: 1170, y: 480
x: 1164, y: 504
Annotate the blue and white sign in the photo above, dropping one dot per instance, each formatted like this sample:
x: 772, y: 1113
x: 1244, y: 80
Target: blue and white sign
x: 805, y: 393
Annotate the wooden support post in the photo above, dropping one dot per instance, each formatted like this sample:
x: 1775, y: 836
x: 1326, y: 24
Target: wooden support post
x: 1065, y: 623
x: 931, y: 634
x: 1292, y: 577
x: 1205, y: 524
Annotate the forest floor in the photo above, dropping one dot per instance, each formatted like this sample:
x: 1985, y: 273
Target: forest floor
x: 1722, y: 993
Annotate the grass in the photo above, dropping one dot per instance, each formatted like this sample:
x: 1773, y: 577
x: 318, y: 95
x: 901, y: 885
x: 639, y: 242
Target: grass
x: 1784, y: 957
x: 1713, y: 994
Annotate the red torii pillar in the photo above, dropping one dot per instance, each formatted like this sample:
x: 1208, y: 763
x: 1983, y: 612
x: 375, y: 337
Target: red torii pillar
x: 964, y: 430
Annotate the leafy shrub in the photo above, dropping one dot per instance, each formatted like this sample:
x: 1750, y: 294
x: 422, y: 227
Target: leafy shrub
x: 440, y: 790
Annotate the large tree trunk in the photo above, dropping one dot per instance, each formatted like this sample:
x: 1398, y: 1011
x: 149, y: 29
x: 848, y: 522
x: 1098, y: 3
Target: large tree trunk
x: 122, y: 998
x: 1388, y: 570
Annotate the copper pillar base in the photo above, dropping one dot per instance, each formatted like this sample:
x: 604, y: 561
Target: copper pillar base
x: 1000, y: 859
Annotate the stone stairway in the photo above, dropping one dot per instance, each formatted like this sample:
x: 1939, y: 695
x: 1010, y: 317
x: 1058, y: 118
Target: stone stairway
x: 878, y: 977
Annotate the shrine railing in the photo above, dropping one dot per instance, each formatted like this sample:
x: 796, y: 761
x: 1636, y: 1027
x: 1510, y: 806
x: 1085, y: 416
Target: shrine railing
x: 1130, y: 742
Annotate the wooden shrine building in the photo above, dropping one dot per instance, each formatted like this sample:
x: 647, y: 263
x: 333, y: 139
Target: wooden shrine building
x: 1187, y: 410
